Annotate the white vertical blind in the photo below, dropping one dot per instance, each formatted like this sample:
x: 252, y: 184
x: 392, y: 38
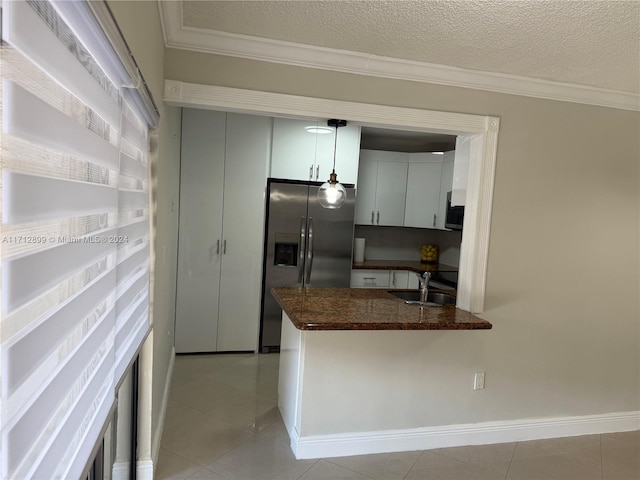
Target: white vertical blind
x: 74, y: 242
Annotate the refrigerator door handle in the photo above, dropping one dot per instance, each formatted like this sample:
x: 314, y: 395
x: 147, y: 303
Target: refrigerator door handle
x: 303, y: 246
x: 309, y: 262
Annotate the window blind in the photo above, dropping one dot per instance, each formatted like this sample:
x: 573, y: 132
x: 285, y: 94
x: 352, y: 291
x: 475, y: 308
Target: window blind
x: 75, y: 236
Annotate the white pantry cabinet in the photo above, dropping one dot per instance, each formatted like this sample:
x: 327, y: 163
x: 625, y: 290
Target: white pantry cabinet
x: 382, y: 186
x: 223, y: 173
x: 299, y: 155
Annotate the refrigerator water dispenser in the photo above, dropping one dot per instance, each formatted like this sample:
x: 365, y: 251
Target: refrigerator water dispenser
x: 286, y: 250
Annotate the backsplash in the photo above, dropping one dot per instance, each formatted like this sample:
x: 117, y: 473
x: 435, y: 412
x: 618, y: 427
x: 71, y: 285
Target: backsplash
x: 401, y: 243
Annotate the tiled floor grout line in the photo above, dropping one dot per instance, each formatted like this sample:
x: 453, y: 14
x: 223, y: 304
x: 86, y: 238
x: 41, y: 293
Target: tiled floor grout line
x: 513, y: 454
x: 414, y: 464
x: 310, y: 467
x: 350, y: 469
x: 601, y: 459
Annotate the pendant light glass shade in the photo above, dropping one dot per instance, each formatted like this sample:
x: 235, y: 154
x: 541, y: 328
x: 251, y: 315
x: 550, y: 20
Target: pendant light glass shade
x: 331, y: 193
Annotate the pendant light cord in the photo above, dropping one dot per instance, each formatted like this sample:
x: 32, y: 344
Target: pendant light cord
x: 335, y: 148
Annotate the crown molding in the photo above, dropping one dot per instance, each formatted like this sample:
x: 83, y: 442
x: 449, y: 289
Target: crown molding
x: 222, y: 43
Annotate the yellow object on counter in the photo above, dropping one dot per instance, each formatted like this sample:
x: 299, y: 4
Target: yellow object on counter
x: 429, y: 253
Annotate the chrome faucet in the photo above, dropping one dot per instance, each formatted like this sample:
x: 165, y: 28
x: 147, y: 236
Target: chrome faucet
x: 424, y: 285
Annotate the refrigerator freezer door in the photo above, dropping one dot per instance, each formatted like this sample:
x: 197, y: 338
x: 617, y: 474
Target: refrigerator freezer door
x: 284, y: 252
x: 332, y: 242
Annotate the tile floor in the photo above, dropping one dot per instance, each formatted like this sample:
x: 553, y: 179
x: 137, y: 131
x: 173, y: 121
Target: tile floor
x: 223, y: 424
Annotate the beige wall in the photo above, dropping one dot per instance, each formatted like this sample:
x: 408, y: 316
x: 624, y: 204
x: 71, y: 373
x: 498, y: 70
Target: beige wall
x: 563, y: 270
x: 140, y: 24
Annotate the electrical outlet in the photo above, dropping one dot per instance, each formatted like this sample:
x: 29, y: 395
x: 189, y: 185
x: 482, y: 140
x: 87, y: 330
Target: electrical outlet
x: 478, y: 381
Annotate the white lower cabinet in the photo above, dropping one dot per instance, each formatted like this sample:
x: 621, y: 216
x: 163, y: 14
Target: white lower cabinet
x: 383, y: 279
x: 369, y: 278
x: 399, y: 279
x: 223, y: 175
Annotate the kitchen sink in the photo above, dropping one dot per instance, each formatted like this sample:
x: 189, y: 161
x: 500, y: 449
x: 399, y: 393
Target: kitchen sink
x: 434, y: 298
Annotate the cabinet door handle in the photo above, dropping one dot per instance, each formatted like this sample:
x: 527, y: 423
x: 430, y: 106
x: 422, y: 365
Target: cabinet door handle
x: 434, y: 219
x: 311, y: 172
x: 393, y: 279
x: 378, y: 218
x: 218, y: 247
x: 317, y: 172
x: 224, y: 247
x: 372, y: 212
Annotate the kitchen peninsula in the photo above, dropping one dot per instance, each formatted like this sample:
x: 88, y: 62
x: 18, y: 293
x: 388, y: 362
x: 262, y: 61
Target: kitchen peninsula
x: 355, y: 368
x: 367, y: 309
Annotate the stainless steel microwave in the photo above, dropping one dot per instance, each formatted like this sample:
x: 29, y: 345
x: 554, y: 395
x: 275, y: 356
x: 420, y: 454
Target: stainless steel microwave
x: 455, y: 215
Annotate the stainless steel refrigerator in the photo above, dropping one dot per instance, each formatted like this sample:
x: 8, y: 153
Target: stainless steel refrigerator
x: 305, y: 245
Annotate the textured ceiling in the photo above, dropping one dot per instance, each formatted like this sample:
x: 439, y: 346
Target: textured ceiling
x: 584, y: 42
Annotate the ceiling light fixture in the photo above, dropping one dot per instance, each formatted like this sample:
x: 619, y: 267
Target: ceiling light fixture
x: 331, y: 193
x: 318, y: 130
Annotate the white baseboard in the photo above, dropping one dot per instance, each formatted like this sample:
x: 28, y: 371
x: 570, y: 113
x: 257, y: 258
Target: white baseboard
x: 157, y: 435
x: 144, y: 470
x: 342, y: 445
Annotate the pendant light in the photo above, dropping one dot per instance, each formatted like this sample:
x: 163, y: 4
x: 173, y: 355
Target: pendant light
x: 331, y: 193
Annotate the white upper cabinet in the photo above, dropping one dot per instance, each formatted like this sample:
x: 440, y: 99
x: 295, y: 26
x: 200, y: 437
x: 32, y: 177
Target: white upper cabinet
x: 391, y: 188
x: 298, y: 154
x: 293, y: 153
x: 382, y: 184
x: 403, y: 189
x: 366, y: 190
x: 423, y: 191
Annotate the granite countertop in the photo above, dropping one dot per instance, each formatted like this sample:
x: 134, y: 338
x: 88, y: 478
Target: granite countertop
x: 413, y: 266
x: 367, y: 309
